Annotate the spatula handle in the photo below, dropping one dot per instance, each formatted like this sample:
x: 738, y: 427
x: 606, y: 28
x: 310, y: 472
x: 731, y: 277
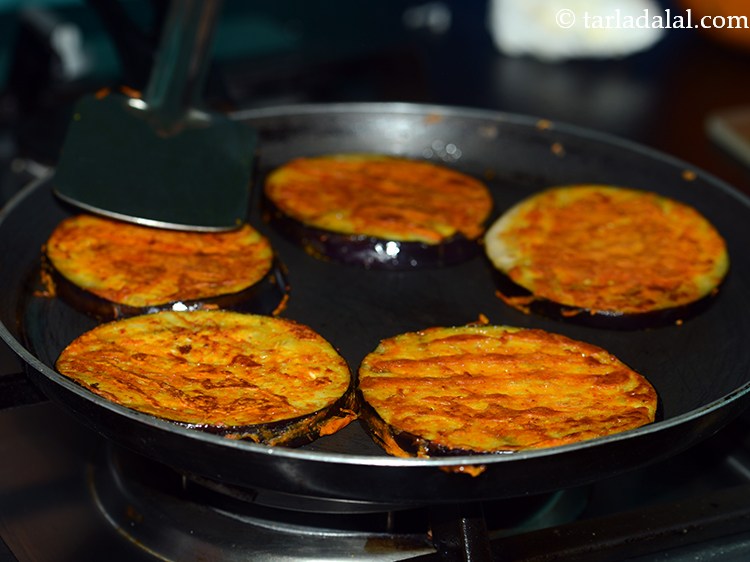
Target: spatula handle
x: 177, y: 78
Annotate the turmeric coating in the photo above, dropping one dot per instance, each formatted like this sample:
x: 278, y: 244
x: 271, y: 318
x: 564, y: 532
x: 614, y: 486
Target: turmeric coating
x: 141, y: 266
x: 485, y: 389
x: 380, y: 196
x: 608, y: 249
x: 211, y: 368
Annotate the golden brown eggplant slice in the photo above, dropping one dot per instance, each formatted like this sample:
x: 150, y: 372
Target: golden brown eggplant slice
x: 244, y: 376
x: 496, y: 389
x: 112, y: 269
x: 378, y: 211
x: 606, y: 255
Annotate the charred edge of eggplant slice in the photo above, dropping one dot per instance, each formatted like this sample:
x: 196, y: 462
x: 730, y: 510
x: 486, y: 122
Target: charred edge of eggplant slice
x: 291, y: 432
x: 386, y: 436
x: 368, y: 251
x: 263, y: 297
x: 406, y: 443
x: 527, y: 302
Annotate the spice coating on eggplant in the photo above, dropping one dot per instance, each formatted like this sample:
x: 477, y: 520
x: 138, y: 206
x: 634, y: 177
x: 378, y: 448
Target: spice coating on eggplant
x: 378, y: 211
x: 496, y: 389
x: 112, y: 269
x: 611, y: 252
x: 267, y: 379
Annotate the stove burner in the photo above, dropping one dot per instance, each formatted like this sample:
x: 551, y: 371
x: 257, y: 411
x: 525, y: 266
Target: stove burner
x: 172, y: 515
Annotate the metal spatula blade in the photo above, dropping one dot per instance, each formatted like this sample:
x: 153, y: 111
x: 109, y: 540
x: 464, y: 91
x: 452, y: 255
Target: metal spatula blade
x: 159, y: 161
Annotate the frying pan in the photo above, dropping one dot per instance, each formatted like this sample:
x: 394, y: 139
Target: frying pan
x: 699, y: 368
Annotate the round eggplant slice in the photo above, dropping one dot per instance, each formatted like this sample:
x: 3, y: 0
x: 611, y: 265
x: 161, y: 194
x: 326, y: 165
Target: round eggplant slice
x: 606, y: 256
x: 110, y: 269
x: 244, y: 376
x: 267, y: 296
x: 369, y: 251
x: 496, y: 389
x: 378, y: 211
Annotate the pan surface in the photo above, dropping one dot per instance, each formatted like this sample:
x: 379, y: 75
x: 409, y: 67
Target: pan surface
x: 701, y: 368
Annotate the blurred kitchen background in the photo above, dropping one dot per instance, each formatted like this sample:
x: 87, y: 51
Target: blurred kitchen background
x: 657, y: 87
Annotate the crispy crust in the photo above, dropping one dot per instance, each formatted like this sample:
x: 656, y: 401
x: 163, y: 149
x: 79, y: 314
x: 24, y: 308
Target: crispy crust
x: 380, y: 196
x: 140, y: 267
x: 607, y: 250
x: 241, y: 375
x: 495, y: 389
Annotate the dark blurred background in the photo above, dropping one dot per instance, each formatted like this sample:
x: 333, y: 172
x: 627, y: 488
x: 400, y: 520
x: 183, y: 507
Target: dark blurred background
x: 299, y: 51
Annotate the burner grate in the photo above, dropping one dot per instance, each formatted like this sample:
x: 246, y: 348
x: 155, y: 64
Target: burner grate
x: 146, y: 502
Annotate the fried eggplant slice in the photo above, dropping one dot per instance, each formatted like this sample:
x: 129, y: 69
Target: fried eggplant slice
x: 112, y: 269
x: 495, y: 389
x: 244, y: 376
x: 606, y: 255
x: 378, y: 211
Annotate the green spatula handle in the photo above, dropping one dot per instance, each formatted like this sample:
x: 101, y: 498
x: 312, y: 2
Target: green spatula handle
x: 177, y: 78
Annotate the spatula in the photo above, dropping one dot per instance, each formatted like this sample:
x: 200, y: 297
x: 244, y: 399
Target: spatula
x: 159, y: 160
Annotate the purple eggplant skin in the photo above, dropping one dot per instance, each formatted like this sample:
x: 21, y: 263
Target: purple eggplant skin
x: 406, y: 441
x: 264, y: 297
x: 605, y: 319
x: 369, y: 251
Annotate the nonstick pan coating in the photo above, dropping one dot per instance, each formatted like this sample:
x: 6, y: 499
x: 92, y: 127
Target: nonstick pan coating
x: 699, y: 368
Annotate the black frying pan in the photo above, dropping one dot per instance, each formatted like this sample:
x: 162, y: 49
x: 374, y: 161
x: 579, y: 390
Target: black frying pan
x: 700, y: 369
